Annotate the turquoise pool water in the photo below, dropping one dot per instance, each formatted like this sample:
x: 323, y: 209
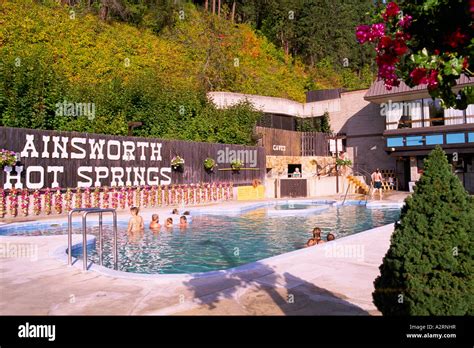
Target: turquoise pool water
x: 219, y: 242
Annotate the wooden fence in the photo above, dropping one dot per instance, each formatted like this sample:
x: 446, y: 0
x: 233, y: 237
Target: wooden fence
x: 279, y: 142
x: 314, y: 144
x: 70, y: 157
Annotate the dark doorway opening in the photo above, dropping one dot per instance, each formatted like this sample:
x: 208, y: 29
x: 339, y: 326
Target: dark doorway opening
x: 292, y: 170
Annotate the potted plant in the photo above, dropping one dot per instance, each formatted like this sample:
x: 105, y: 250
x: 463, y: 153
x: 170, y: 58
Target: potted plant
x: 236, y: 165
x: 343, y: 162
x: 177, y: 163
x: 7, y: 158
x: 209, y: 164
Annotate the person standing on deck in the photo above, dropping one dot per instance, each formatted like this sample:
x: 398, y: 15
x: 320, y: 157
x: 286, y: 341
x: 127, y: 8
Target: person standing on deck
x: 377, y: 182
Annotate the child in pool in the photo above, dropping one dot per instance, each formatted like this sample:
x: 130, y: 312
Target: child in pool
x: 183, y: 222
x: 135, y: 224
x: 169, y: 222
x: 155, y: 222
x: 316, y: 238
x: 175, y: 212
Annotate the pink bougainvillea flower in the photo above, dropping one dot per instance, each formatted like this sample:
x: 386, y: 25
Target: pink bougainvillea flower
x: 399, y: 47
x: 363, y: 33
x: 432, y: 80
x: 377, y: 30
x: 457, y: 38
x: 391, y: 10
x: 418, y: 76
x: 465, y: 63
x: 369, y: 33
x: 385, y: 43
x: 386, y: 59
x: 405, y: 22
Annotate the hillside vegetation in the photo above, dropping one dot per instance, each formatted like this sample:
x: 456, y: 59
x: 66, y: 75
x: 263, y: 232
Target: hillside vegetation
x: 52, y: 53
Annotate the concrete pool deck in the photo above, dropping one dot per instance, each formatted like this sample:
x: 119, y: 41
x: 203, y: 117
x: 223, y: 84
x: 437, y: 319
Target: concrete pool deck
x: 335, y: 278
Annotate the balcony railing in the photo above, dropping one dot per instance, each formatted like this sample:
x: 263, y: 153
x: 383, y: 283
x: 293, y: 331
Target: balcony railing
x: 430, y: 122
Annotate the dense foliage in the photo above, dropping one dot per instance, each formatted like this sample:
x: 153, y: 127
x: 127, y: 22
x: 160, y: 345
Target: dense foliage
x: 429, y: 267
x: 153, y: 62
x: 425, y: 42
x: 314, y: 124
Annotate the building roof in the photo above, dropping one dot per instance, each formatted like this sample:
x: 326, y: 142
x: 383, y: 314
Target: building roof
x: 378, y: 93
x: 323, y: 94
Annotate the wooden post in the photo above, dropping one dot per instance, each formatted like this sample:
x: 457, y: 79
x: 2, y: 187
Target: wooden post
x: 206, y: 5
x: 218, y: 8
x: 213, y: 6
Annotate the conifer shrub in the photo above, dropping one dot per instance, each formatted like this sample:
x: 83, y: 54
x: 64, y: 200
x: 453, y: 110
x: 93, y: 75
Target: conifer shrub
x: 428, y: 269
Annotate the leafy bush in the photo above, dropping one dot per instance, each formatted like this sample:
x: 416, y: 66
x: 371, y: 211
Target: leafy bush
x: 429, y: 266
x: 209, y: 164
x: 236, y: 165
x: 7, y: 158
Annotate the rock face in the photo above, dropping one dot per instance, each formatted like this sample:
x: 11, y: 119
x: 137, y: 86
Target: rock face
x: 310, y: 166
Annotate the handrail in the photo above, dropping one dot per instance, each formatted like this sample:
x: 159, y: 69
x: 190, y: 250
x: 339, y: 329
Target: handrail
x: 85, y: 212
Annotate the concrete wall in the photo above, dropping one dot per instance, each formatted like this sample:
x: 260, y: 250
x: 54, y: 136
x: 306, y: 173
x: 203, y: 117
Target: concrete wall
x: 275, y: 105
x: 310, y: 165
x: 317, y: 187
x: 362, y: 123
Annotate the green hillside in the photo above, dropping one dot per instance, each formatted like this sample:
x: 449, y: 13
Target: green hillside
x: 51, y: 53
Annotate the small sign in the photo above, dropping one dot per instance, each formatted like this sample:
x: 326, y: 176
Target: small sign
x: 332, y: 145
x: 281, y: 148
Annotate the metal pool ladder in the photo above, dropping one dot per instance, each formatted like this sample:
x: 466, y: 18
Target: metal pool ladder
x: 85, y: 212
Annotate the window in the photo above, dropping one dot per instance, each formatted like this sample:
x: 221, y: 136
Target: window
x: 455, y: 138
x: 393, y: 142
x: 414, y: 140
x: 434, y: 112
x: 470, y: 137
x: 294, y: 171
x: 435, y: 139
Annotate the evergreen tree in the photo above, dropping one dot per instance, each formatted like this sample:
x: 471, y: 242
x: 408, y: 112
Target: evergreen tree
x: 325, y: 123
x: 428, y: 269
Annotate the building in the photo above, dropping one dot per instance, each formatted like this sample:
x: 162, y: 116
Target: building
x: 415, y: 124
x: 375, y: 128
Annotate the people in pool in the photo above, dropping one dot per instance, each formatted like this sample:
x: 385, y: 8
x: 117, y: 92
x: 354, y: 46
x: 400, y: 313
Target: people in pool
x: 175, y: 212
x: 330, y: 237
x: 155, y: 222
x: 187, y: 212
x: 183, y: 222
x: 169, y: 222
x: 135, y: 224
x: 316, y: 238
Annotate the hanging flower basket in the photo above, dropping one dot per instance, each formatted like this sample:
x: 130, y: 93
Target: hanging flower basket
x: 177, y: 163
x: 209, y: 164
x: 7, y: 158
x: 236, y: 165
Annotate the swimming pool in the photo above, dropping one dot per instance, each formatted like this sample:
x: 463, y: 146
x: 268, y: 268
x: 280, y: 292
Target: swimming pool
x: 216, y: 242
